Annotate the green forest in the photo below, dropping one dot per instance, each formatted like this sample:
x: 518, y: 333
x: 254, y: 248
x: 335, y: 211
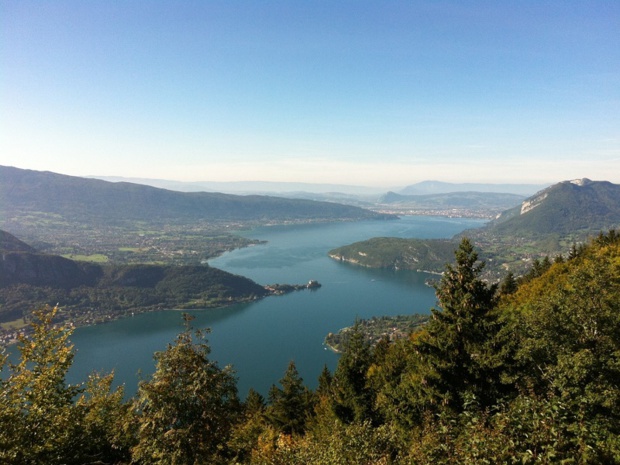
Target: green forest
x: 524, y: 371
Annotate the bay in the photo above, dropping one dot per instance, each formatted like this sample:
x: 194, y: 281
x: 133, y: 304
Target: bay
x: 259, y: 339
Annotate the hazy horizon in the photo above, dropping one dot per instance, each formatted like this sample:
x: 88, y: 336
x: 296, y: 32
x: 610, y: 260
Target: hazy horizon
x: 361, y: 93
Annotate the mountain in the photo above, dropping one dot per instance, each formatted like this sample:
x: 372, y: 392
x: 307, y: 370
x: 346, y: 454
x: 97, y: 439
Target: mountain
x: 547, y: 223
x: 484, y: 204
x: 438, y: 187
x: 569, y: 207
x: 284, y: 189
x: 29, y: 279
x: 92, y: 200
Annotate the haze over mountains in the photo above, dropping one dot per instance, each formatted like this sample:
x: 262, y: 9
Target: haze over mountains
x: 427, y: 197
x: 438, y: 187
x: 246, y: 187
x: 296, y: 189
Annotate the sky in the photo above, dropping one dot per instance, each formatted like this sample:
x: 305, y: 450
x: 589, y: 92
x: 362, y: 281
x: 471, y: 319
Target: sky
x: 371, y: 93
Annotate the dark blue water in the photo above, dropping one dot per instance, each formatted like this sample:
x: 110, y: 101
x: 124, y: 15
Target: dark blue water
x: 259, y: 339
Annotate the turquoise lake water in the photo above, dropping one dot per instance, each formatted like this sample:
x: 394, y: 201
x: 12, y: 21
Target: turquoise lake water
x: 259, y: 339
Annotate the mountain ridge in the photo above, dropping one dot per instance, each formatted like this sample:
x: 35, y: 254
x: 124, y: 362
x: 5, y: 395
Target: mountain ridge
x: 547, y: 223
x: 296, y: 188
x: 440, y: 187
x: 96, y: 200
x: 567, y: 207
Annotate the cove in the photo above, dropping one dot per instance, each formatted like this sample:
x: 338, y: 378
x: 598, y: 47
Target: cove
x: 259, y: 339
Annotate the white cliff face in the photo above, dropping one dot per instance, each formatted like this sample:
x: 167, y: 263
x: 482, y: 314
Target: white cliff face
x: 531, y: 204
x: 580, y: 182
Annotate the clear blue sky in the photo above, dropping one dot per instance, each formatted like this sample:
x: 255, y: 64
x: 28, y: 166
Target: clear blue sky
x: 377, y: 93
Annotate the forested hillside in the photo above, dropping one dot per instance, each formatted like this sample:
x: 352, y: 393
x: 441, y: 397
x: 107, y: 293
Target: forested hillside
x: 397, y: 253
x: 93, y: 292
x: 525, y: 372
x: 567, y: 208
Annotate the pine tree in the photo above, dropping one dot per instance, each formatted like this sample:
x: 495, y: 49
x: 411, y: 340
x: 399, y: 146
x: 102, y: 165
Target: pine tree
x: 460, y: 333
x: 352, y: 396
x: 291, y: 405
x: 509, y: 284
x: 254, y: 403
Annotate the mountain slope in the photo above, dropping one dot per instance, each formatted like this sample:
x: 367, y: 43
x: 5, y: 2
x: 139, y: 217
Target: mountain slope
x: 547, y: 223
x: 9, y: 243
x: 93, y: 200
x: 438, y: 187
x: 565, y: 208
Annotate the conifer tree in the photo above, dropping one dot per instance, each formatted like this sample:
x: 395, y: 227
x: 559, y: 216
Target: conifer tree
x: 248, y: 429
x: 291, y: 405
x: 324, y: 382
x: 459, y: 335
x: 254, y: 402
x: 509, y: 284
x: 352, y: 396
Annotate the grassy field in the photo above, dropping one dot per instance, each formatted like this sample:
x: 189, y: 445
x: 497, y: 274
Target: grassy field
x: 95, y: 258
x: 15, y: 324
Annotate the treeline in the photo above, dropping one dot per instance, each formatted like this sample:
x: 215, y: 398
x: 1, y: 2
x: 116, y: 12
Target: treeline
x: 525, y: 372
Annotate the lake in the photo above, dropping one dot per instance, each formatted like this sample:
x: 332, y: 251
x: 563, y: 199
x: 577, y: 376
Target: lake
x: 259, y: 339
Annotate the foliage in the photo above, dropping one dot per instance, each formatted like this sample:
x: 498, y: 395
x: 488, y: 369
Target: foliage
x: 247, y: 431
x: 188, y: 407
x: 568, y: 325
x: 107, y: 423
x: 291, y: 405
x: 357, y: 443
x: 458, y: 341
x: 352, y: 397
x: 41, y: 422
